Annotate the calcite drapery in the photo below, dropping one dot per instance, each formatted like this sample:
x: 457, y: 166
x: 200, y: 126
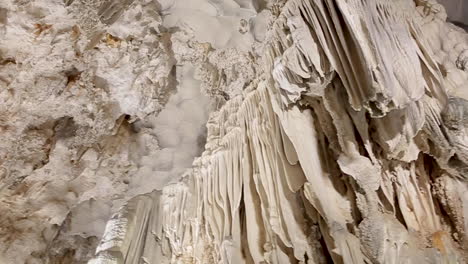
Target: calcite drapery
x: 339, y: 134
x: 344, y: 150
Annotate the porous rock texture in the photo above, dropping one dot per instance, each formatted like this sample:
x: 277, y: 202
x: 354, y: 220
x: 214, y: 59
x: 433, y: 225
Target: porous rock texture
x: 233, y: 131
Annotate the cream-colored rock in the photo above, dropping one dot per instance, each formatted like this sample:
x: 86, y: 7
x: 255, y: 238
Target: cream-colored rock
x: 233, y: 131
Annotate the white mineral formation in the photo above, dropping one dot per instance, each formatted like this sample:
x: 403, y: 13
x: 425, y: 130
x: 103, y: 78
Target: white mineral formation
x: 233, y: 131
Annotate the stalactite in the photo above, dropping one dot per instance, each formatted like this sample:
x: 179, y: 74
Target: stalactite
x: 337, y: 137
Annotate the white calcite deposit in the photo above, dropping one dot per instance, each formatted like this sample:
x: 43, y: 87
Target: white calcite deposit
x: 233, y: 131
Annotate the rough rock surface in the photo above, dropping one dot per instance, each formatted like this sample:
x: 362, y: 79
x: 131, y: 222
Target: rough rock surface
x: 233, y: 131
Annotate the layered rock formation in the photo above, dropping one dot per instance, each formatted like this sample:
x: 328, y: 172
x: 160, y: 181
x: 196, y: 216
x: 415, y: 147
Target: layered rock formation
x: 335, y: 132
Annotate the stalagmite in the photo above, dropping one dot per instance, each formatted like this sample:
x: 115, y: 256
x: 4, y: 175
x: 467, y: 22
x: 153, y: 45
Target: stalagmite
x: 233, y: 131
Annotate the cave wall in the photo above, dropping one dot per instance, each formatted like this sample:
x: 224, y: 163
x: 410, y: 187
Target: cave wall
x: 348, y: 148
x: 325, y: 131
